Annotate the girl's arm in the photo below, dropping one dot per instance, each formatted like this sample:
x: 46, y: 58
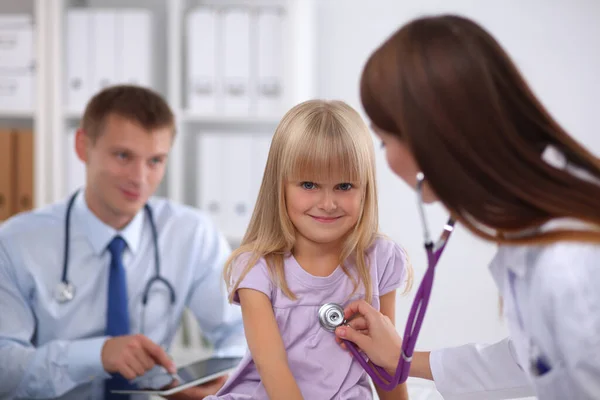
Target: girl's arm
x: 388, y: 308
x: 266, y: 345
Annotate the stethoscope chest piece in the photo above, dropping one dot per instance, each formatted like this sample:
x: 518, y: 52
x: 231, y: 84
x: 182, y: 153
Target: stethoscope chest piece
x: 65, y: 292
x: 331, y: 315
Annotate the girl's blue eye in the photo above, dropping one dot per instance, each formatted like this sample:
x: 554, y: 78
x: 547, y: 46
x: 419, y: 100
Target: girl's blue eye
x: 345, y: 186
x: 308, y: 185
x: 122, y: 155
x: 382, y: 145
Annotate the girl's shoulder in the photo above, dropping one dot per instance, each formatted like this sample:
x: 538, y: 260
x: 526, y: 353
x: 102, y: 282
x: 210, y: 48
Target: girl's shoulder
x: 248, y: 259
x: 384, y: 248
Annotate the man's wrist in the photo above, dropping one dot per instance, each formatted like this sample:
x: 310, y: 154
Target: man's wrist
x: 85, y: 360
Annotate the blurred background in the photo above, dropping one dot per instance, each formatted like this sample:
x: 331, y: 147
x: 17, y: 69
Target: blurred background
x: 230, y: 69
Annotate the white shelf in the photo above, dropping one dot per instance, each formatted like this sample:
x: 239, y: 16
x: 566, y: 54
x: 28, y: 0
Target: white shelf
x: 17, y: 114
x: 71, y: 114
x: 52, y: 119
x: 194, y: 117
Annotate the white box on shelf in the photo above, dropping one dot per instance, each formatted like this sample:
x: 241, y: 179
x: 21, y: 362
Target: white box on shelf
x: 239, y: 183
x: 202, y: 36
x: 79, y: 47
x: 16, y: 44
x: 74, y: 167
x: 104, y: 43
x: 261, y: 143
x: 17, y: 91
x: 133, y: 58
x: 210, y: 151
x: 269, y: 60
x: 236, y: 61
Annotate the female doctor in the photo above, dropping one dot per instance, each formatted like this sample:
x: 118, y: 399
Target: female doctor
x: 447, y: 101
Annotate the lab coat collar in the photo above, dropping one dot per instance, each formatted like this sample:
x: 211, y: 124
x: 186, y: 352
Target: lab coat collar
x: 100, y: 234
x: 514, y: 257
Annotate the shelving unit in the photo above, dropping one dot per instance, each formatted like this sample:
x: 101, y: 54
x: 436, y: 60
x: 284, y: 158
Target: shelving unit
x: 51, y: 117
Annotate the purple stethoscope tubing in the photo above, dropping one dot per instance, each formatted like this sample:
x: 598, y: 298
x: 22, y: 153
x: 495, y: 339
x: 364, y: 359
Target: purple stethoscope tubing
x: 417, y: 312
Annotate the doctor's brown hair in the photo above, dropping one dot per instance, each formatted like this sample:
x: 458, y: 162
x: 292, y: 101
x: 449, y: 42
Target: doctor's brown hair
x: 447, y: 89
x: 137, y: 104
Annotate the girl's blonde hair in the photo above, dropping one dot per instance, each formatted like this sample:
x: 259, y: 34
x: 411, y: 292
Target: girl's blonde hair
x: 316, y: 140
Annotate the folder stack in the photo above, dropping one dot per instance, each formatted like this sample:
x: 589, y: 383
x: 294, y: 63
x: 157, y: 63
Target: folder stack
x: 235, y: 61
x: 16, y: 172
x: 106, y: 47
x: 230, y: 166
x: 17, y: 63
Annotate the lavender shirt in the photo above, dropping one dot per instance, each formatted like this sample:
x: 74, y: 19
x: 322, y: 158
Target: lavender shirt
x: 320, y: 367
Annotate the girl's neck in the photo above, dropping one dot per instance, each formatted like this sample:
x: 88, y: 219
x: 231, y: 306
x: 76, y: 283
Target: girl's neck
x: 315, y: 258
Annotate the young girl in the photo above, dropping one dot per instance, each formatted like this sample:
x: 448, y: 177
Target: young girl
x: 313, y: 239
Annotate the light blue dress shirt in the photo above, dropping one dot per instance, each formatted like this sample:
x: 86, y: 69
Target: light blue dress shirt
x: 50, y: 349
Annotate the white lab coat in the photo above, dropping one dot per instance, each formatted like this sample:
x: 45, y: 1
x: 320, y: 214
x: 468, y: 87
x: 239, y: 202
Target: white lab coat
x: 551, y: 302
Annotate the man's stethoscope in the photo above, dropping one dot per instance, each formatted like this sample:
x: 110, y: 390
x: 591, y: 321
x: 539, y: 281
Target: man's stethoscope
x: 65, y: 290
x: 331, y: 315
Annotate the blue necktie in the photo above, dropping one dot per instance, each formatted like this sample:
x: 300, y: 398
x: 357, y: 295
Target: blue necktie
x: 117, y: 315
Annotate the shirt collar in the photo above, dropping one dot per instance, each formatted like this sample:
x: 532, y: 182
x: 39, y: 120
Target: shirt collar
x: 100, y: 234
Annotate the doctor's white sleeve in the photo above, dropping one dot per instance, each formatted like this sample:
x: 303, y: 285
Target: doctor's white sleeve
x: 46, y: 371
x: 477, y: 372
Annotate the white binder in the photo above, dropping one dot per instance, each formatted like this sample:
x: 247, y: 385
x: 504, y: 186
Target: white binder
x: 133, y: 58
x: 236, y: 62
x: 75, y: 168
x: 17, y: 91
x: 79, y: 46
x: 103, y: 66
x: 210, y: 169
x: 17, y: 52
x: 269, y: 82
x: 260, y: 152
x: 202, y: 35
x: 239, y: 183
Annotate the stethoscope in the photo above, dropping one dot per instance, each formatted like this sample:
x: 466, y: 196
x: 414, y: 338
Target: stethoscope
x: 65, y: 290
x: 331, y: 315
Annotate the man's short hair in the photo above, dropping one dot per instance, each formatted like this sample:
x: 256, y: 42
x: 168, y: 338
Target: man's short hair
x: 134, y: 103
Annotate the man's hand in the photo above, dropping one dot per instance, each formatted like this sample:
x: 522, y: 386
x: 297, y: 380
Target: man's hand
x: 198, y: 392
x: 133, y: 356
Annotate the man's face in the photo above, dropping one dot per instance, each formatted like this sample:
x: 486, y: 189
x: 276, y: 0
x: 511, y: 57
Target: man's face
x: 124, y: 167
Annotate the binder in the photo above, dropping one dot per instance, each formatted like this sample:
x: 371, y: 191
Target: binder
x: 7, y: 173
x: 202, y: 60
x: 17, y: 91
x: 79, y: 45
x: 236, y: 62
x: 261, y: 143
x: 104, y: 40
x: 210, y: 151
x: 269, y: 82
x: 75, y: 168
x: 238, y: 182
x: 16, y: 43
x: 24, y: 181
x: 133, y: 60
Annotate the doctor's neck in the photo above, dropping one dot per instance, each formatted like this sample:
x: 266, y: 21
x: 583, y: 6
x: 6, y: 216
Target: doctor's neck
x: 111, y: 216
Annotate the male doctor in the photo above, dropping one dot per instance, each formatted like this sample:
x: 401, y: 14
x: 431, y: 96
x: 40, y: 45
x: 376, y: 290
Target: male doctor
x: 81, y: 340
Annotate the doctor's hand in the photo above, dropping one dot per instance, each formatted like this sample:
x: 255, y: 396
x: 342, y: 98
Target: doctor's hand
x: 198, y: 392
x: 373, y: 333
x: 133, y: 356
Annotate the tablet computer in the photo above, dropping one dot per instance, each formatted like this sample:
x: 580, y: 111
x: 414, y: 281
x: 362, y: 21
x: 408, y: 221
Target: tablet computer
x: 193, y: 374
